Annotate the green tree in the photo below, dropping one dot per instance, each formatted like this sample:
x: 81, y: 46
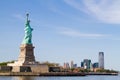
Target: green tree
x: 5, y: 63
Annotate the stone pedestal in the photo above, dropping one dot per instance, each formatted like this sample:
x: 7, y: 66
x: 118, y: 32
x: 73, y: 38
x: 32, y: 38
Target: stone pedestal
x: 26, y: 56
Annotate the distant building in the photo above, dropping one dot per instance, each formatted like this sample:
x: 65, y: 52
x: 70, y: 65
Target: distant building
x: 86, y: 64
x: 54, y: 69
x: 75, y: 66
x: 66, y: 65
x: 101, y: 60
x: 95, y: 65
x: 72, y: 64
x: 82, y: 64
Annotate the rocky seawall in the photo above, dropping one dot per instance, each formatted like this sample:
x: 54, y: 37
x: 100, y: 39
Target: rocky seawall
x: 40, y: 74
x: 51, y: 74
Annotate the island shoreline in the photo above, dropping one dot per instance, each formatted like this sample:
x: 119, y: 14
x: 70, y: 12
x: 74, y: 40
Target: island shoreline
x: 52, y: 74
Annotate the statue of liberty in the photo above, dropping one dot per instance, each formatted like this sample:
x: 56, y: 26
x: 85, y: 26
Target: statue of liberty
x: 28, y: 32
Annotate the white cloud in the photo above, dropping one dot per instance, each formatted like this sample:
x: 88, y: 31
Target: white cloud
x: 19, y: 16
x: 76, y: 4
x: 104, y: 10
x: 74, y: 33
x: 55, y: 10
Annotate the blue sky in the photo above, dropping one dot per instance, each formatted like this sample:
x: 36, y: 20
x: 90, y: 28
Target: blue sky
x: 64, y: 30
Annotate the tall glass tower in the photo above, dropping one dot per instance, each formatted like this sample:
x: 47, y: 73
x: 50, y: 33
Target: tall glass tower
x: 101, y: 60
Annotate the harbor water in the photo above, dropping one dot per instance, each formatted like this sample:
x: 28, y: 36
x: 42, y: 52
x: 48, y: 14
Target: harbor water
x: 91, y: 77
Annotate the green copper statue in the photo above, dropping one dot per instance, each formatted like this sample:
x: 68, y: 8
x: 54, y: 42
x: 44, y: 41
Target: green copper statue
x: 28, y: 33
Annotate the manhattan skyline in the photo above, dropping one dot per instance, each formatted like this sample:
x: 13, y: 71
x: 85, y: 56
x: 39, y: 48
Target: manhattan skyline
x: 64, y: 30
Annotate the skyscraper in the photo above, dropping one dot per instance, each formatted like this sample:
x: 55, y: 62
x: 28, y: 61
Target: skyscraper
x: 66, y: 65
x: 72, y: 64
x: 95, y: 65
x: 86, y: 64
x: 101, y: 60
